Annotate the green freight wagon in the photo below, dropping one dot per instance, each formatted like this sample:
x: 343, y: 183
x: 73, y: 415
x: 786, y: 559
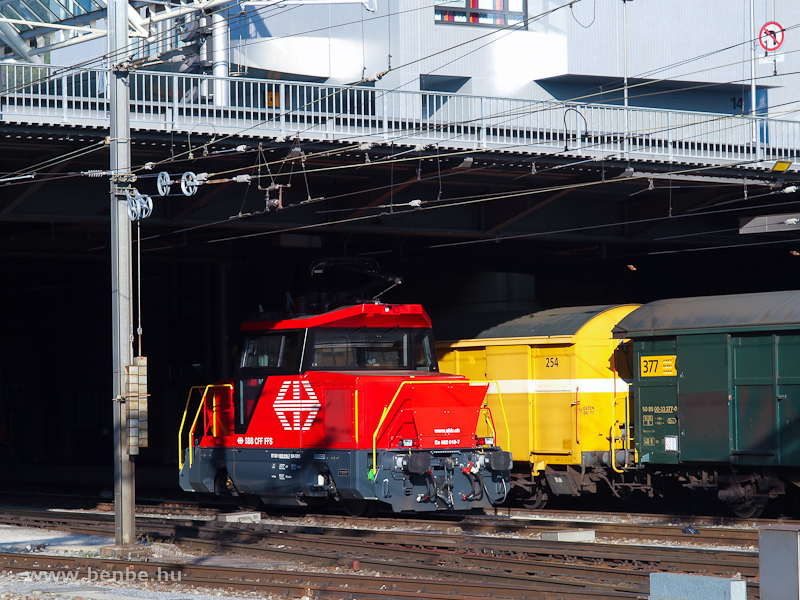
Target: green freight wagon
x: 717, y: 394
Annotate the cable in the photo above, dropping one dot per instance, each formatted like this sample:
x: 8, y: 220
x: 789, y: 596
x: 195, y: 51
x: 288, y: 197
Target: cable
x: 724, y: 246
x: 594, y: 14
x: 486, y: 199
x: 631, y: 222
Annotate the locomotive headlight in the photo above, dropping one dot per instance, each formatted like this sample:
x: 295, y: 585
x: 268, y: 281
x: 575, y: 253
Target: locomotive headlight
x: 406, y: 443
x: 320, y: 480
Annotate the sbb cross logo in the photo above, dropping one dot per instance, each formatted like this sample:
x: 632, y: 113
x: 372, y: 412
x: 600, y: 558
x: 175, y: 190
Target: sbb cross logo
x: 295, y: 404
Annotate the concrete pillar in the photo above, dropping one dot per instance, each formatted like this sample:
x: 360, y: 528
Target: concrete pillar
x: 121, y: 275
x: 679, y: 586
x: 779, y: 562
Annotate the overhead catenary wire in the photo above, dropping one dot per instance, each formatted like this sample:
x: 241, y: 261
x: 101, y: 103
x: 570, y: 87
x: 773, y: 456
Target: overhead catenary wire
x: 461, y: 203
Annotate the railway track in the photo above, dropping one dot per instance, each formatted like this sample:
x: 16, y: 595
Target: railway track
x: 441, y: 555
x: 297, y: 584
x: 483, y: 524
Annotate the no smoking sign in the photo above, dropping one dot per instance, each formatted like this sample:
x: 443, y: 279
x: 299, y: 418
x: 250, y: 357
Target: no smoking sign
x: 771, y: 36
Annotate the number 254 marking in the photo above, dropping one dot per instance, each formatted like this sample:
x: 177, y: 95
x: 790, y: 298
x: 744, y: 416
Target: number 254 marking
x: 551, y: 362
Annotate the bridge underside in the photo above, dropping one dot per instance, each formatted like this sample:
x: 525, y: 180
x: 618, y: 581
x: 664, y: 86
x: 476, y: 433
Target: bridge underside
x: 582, y: 224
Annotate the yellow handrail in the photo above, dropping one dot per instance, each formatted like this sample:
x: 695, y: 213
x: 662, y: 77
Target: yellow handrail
x: 183, y: 422
x: 194, y: 423
x: 489, y: 420
x: 612, y: 438
x: 502, y: 406
x: 386, y: 410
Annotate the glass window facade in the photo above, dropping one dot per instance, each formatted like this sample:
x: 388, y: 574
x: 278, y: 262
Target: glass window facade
x: 493, y: 13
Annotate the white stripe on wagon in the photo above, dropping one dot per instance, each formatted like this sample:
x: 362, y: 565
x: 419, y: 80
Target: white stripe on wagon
x: 558, y: 386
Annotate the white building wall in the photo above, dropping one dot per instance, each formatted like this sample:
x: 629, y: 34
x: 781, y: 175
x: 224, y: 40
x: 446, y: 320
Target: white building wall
x: 700, y: 48
x: 339, y: 43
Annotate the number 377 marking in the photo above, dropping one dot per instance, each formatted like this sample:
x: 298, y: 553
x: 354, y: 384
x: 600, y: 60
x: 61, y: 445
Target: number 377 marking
x: 658, y: 366
x: 649, y: 366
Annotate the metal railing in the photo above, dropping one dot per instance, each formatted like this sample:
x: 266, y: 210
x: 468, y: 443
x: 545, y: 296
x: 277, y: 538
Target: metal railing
x: 207, y: 421
x: 256, y: 107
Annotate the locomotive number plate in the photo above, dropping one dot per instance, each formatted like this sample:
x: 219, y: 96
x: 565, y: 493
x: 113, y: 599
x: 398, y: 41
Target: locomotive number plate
x: 657, y: 366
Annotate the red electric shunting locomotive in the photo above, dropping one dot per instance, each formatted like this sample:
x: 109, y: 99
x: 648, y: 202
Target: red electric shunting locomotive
x: 347, y: 405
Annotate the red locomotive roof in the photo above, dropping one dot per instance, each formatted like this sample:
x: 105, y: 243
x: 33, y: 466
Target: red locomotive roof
x: 360, y: 315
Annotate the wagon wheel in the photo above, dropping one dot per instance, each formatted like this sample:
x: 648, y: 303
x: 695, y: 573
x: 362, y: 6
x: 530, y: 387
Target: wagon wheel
x: 537, y: 499
x: 250, y: 502
x: 359, y: 508
x: 624, y: 493
x: 752, y: 510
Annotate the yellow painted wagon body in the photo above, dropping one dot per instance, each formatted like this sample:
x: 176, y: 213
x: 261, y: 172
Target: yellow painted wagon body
x: 563, y: 391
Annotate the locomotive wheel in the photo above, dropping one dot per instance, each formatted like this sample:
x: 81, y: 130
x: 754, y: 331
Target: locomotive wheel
x: 537, y: 500
x: 250, y: 502
x: 359, y: 508
x: 748, y: 511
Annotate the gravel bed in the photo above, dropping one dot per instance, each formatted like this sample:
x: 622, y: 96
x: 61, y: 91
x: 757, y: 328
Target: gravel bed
x: 25, y: 586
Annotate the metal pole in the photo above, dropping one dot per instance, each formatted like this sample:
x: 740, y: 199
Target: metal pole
x: 625, y: 72
x: 204, y: 56
x: 121, y: 285
x: 756, y: 149
x: 220, y: 42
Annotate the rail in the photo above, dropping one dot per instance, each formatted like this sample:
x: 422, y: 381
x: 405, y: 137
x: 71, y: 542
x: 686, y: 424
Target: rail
x: 196, y: 417
x: 177, y: 102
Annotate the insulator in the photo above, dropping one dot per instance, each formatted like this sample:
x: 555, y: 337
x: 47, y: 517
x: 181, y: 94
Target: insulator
x: 241, y: 148
x: 96, y: 173
x: 242, y: 179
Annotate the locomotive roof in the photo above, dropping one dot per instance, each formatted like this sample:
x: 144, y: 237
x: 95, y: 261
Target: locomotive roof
x: 708, y: 314
x: 359, y: 315
x: 546, y: 323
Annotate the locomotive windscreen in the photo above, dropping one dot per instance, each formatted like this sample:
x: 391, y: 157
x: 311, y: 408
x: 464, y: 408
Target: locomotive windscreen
x: 365, y: 348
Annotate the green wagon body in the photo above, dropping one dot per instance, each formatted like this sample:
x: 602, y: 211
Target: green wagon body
x: 717, y: 385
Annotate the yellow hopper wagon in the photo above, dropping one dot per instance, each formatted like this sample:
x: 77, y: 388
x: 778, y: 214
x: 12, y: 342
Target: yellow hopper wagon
x: 558, y: 399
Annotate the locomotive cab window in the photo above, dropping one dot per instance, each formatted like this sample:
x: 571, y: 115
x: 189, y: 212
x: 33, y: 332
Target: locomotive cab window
x: 263, y: 355
x: 274, y: 350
